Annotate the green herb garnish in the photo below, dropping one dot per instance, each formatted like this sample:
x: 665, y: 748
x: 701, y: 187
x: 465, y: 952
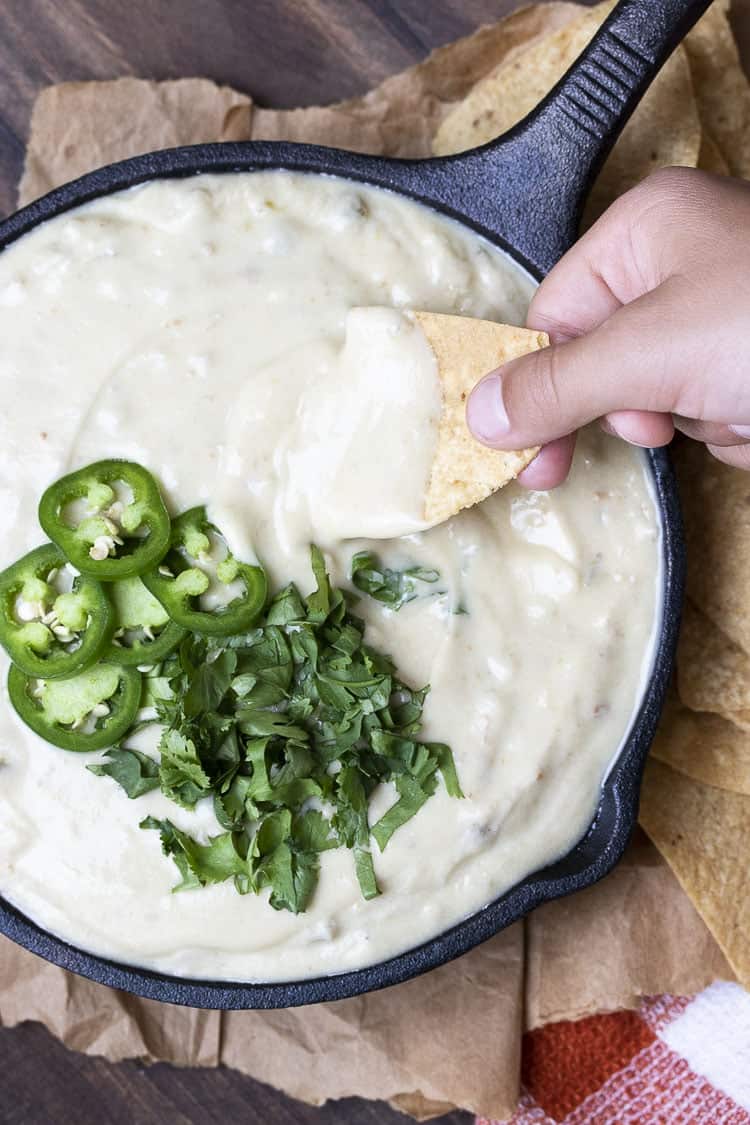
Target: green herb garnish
x: 137, y: 773
x: 392, y: 587
x: 289, y: 728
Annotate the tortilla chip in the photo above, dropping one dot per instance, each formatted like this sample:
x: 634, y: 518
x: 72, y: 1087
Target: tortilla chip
x: 663, y: 131
x: 706, y: 747
x: 704, y: 835
x: 464, y: 471
x: 722, y: 90
x: 713, y: 673
x: 716, y: 508
x: 710, y: 158
x: 515, y: 86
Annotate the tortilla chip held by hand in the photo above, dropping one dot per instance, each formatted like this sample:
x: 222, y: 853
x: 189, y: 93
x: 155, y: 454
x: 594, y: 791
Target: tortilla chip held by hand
x: 464, y: 471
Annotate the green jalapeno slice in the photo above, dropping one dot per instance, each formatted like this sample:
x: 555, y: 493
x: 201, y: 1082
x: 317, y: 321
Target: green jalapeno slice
x: 207, y: 594
x: 90, y: 711
x: 108, y: 519
x: 53, y: 622
x: 144, y: 632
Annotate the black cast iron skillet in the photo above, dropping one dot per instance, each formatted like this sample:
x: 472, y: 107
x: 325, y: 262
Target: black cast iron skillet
x: 525, y: 193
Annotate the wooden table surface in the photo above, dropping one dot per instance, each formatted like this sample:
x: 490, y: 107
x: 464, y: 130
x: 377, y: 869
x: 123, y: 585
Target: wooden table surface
x: 285, y: 53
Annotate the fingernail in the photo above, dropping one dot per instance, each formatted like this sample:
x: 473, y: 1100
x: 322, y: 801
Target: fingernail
x: 485, y: 411
x: 741, y: 431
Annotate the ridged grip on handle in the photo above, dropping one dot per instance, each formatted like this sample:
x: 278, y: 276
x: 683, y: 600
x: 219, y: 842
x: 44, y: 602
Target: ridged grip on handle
x: 529, y: 186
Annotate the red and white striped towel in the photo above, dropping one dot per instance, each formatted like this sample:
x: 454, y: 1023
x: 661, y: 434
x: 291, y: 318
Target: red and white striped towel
x: 675, y: 1061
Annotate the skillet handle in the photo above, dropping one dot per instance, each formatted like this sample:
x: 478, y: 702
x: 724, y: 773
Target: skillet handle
x: 529, y: 186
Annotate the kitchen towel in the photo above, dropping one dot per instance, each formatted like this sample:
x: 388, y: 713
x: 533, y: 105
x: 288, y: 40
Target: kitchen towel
x: 673, y: 1061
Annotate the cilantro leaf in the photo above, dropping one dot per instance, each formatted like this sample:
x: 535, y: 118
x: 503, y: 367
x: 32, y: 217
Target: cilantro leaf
x: 411, y: 798
x: 286, y: 607
x: 181, y: 774
x: 235, y: 805
x: 363, y: 865
x: 312, y: 832
x: 265, y: 668
x: 291, y: 876
x: 209, y: 684
x: 393, y: 588
x: 135, y: 772
x: 324, y: 597
x: 447, y: 767
x: 198, y: 864
x: 350, y: 818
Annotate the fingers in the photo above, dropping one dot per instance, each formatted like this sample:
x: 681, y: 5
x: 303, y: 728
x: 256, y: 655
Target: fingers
x: 572, y: 300
x: 738, y: 456
x: 628, y: 363
x: 578, y: 294
x: 551, y: 465
x: 711, y: 433
x: 640, y: 427
x: 618, y: 259
x: 644, y: 314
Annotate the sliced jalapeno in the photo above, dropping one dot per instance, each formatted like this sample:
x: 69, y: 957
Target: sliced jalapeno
x: 144, y: 632
x: 108, y: 519
x: 53, y: 623
x: 88, y: 712
x: 203, y: 593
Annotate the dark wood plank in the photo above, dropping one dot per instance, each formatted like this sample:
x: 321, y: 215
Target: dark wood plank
x: 42, y: 1082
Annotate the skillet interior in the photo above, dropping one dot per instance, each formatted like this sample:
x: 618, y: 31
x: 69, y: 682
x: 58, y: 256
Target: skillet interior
x: 607, y: 837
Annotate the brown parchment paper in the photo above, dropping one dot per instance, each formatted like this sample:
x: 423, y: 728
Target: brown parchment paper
x: 450, y: 1038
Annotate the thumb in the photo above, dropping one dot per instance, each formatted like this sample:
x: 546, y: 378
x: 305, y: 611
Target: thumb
x: 621, y: 365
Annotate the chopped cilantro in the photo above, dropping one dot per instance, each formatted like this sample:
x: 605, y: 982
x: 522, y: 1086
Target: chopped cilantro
x: 289, y: 729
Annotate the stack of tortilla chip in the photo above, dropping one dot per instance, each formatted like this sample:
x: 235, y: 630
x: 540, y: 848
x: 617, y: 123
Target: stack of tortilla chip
x: 696, y: 795
x: 696, y: 113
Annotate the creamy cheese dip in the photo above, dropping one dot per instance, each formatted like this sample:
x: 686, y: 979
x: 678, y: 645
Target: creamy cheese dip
x: 203, y: 328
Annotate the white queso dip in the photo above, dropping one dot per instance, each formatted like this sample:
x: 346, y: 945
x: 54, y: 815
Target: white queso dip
x: 203, y: 328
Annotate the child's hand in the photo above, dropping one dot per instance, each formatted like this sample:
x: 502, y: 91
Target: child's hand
x: 649, y: 315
